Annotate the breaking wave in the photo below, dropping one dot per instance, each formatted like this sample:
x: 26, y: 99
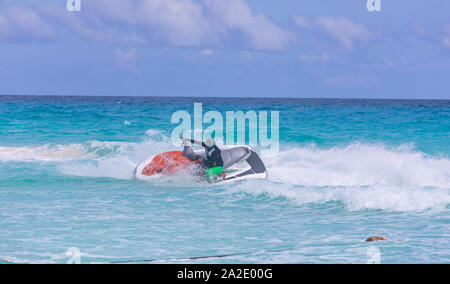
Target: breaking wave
x: 359, y: 176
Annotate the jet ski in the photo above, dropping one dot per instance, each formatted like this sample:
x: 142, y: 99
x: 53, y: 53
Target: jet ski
x: 240, y: 163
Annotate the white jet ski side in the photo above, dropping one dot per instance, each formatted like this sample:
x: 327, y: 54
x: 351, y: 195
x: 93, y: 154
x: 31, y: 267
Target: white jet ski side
x: 240, y: 163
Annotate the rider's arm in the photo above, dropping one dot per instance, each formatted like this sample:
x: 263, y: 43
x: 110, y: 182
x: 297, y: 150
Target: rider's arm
x: 189, y: 153
x: 197, y: 142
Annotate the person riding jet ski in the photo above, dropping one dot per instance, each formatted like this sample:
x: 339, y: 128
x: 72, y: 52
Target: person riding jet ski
x: 214, y: 162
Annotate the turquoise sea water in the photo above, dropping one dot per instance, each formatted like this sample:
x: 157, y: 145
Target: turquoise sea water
x: 347, y: 170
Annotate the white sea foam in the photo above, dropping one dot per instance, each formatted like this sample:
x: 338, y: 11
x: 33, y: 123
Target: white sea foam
x: 48, y: 152
x: 359, y: 176
x: 156, y: 135
x: 119, y: 168
x: 379, y: 197
x: 358, y: 165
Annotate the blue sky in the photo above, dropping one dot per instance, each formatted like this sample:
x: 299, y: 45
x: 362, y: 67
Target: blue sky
x: 239, y: 48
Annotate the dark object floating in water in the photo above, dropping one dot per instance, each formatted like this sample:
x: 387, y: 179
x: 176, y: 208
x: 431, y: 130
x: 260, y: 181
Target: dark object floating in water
x: 376, y: 238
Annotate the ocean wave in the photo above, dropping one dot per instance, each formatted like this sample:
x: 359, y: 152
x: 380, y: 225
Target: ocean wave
x: 354, y: 165
x: 354, y: 198
x: 153, y: 142
x: 360, y: 176
x: 48, y: 152
x: 358, y: 165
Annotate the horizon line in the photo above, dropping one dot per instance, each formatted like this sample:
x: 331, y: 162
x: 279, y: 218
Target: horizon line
x: 231, y: 97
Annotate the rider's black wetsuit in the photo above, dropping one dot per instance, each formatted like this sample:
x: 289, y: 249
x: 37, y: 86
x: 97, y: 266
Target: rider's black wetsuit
x: 213, y: 155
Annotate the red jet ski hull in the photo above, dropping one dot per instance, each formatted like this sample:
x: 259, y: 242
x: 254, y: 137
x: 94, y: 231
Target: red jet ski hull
x: 168, y: 163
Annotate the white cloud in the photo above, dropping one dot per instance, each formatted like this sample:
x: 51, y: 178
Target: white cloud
x: 189, y: 23
x: 126, y: 60
x: 345, y: 30
x: 21, y: 24
x: 313, y: 59
x: 90, y: 27
x: 342, y: 29
x: 418, y: 30
x: 204, y: 24
x: 301, y: 22
x: 179, y: 23
x: 389, y: 62
x: 446, y: 36
x: 236, y: 15
x: 206, y: 52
